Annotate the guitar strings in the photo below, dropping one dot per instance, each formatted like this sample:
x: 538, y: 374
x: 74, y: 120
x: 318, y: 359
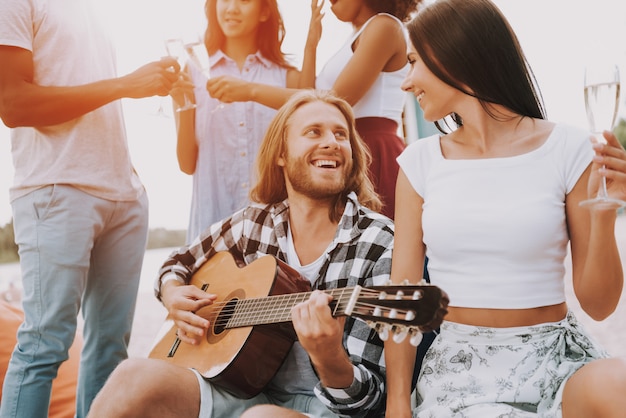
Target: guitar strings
x: 269, y: 309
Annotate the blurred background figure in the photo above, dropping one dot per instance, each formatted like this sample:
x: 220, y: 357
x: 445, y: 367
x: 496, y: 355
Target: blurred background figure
x: 218, y: 142
x: 80, y: 211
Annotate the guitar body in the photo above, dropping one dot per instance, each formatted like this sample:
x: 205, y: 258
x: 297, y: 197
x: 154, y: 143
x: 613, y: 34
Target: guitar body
x: 251, y: 333
x: 241, y: 360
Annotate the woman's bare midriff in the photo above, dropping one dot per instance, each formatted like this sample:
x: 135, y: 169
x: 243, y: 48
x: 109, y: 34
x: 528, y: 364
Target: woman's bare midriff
x: 502, y: 318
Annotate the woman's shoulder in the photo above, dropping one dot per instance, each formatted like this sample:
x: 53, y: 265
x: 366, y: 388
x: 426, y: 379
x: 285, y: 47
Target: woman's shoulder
x: 423, y: 150
x: 383, y: 24
x: 387, y: 17
x: 429, y: 143
x: 386, y: 39
x: 570, y: 136
x: 571, y: 131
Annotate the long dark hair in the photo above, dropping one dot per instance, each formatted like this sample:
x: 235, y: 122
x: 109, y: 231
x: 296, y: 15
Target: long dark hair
x: 269, y: 39
x: 469, y: 45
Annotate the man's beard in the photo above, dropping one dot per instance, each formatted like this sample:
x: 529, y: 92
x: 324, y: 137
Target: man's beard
x: 303, y: 182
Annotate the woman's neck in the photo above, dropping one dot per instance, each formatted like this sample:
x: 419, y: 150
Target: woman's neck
x: 363, y: 16
x: 238, y: 49
x: 490, y: 138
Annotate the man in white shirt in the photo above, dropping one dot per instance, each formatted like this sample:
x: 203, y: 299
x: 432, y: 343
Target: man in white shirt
x: 78, y: 204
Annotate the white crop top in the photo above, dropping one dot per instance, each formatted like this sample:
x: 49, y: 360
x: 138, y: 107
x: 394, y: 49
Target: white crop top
x: 495, y: 229
x: 385, y: 98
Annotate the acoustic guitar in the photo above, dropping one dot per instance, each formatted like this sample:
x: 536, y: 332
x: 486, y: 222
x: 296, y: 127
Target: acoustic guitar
x: 250, y: 331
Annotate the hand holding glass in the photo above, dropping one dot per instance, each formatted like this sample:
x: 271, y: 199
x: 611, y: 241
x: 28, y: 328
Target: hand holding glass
x: 200, y: 57
x: 602, y: 89
x: 176, y: 49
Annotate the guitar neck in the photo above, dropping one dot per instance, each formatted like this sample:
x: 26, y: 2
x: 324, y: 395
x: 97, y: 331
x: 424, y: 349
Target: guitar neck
x: 277, y: 308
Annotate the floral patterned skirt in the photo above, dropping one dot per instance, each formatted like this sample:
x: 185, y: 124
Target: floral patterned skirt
x: 502, y: 372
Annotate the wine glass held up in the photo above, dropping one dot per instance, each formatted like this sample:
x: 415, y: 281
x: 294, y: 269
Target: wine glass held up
x: 176, y: 49
x: 602, y: 92
x: 200, y: 57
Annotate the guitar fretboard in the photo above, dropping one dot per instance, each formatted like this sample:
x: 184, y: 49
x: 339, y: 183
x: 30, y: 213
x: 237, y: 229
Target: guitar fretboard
x: 274, y: 309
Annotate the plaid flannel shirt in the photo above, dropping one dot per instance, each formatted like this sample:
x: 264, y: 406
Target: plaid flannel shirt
x: 360, y: 254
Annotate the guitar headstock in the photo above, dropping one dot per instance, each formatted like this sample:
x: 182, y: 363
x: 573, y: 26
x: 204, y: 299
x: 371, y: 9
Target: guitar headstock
x: 396, y: 310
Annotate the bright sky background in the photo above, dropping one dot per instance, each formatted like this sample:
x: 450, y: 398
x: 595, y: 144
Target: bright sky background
x: 558, y: 37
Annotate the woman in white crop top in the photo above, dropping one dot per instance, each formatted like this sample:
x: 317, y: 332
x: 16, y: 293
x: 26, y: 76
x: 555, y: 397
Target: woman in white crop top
x: 367, y: 71
x: 494, y: 204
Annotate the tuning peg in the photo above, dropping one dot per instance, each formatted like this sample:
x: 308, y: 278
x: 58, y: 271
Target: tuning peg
x: 399, y: 336
x: 406, y: 282
x: 399, y: 295
x: 410, y: 315
x: 383, y: 333
x: 416, y: 337
x: 382, y: 296
x: 417, y: 295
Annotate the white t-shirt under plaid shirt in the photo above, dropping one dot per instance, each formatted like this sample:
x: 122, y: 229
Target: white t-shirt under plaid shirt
x: 360, y: 254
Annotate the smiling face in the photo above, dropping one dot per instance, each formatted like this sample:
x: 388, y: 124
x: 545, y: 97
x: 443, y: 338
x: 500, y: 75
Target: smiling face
x: 318, y: 157
x: 436, y: 98
x: 240, y: 18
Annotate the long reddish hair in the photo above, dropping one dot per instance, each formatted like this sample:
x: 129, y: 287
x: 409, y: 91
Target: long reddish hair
x: 269, y: 38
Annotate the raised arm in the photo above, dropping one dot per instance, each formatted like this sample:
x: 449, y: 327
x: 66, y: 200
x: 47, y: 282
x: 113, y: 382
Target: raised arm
x: 309, y: 61
x: 381, y: 47
x: 24, y: 103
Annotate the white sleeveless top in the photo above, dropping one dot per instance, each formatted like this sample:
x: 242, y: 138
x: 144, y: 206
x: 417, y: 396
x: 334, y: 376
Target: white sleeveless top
x: 495, y: 229
x: 385, y: 98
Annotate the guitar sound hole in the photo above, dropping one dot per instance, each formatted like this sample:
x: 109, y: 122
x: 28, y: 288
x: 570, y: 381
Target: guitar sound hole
x: 221, y: 321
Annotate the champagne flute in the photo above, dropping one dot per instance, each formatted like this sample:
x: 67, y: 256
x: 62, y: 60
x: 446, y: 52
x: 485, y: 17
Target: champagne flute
x: 176, y: 49
x: 602, y: 90
x: 200, y: 57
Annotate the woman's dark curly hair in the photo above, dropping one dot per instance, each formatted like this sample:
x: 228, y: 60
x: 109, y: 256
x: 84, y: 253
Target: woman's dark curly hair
x: 402, y: 9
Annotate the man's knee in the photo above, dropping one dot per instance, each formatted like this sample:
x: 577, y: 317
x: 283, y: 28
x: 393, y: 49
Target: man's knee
x: 126, y: 388
x: 155, y: 387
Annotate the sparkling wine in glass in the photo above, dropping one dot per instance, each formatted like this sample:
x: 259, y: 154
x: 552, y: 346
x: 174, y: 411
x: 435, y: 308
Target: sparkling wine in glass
x: 200, y: 57
x: 602, y: 91
x: 176, y: 49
